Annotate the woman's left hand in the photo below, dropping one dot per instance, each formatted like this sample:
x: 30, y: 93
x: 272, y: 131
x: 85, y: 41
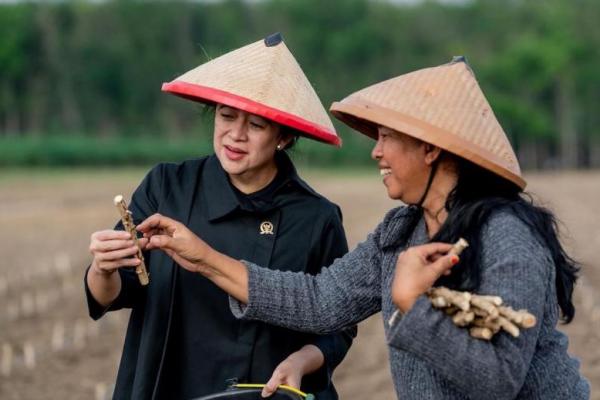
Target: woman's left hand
x: 291, y: 370
x: 417, y: 269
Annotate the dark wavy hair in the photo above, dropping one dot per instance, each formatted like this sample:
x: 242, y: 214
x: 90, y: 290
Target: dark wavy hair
x: 477, y: 195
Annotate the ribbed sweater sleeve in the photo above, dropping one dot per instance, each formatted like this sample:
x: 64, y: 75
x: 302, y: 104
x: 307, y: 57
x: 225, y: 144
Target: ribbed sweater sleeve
x: 518, y: 269
x: 339, y: 296
x: 332, y: 243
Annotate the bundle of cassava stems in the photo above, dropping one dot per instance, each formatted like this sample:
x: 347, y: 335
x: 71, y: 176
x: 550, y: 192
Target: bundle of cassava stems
x: 483, y: 315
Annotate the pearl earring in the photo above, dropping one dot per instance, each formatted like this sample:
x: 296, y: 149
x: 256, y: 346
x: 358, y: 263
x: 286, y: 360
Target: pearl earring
x: 278, y: 147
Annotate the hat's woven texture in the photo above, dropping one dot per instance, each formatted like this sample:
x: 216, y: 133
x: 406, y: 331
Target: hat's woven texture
x: 443, y: 106
x: 261, y: 79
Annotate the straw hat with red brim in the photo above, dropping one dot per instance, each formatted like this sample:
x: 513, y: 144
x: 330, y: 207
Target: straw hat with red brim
x: 262, y: 78
x: 443, y: 106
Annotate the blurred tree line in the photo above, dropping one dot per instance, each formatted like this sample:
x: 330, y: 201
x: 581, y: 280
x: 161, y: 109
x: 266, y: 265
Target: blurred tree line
x: 80, y: 81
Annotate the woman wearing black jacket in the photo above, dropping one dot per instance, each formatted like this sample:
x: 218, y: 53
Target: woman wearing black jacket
x: 247, y: 201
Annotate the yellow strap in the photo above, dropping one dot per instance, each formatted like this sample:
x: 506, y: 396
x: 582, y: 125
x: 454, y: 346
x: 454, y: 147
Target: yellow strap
x: 261, y: 385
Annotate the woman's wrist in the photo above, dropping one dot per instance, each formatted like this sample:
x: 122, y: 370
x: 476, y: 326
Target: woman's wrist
x: 309, y: 358
x: 208, y: 264
x: 229, y: 274
x: 405, y: 303
x: 101, y: 272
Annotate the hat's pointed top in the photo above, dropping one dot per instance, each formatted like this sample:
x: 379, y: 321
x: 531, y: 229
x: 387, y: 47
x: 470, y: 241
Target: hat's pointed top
x: 262, y: 78
x: 457, y: 59
x: 441, y: 105
x: 273, y: 39
x: 464, y: 61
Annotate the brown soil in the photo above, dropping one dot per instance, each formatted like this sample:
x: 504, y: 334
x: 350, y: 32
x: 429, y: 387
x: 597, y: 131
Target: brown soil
x: 47, y: 219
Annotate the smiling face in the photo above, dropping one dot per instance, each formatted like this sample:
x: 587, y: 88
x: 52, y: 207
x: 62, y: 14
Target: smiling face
x: 404, y: 163
x: 245, y: 144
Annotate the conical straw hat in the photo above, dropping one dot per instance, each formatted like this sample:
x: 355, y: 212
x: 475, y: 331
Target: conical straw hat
x: 443, y: 106
x: 261, y: 78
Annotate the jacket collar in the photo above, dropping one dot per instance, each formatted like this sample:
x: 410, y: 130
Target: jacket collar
x: 220, y: 197
x: 291, y: 175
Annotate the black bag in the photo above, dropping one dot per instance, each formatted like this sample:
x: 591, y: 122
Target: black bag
x: 244, y: 393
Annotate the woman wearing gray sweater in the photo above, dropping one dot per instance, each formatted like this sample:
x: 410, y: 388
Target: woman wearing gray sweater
x: 440, y: 150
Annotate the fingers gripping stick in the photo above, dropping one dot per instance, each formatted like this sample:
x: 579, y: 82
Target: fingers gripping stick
x: 129, y: 226
x: 459, y: 301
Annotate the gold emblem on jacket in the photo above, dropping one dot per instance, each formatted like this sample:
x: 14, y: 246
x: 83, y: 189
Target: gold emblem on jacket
x: 266, y: 228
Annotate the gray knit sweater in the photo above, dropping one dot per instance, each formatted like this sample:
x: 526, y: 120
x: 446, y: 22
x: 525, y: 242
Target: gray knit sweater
x: 430, y: 357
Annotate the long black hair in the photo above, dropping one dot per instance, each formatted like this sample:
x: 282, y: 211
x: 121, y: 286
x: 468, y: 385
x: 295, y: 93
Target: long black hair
x: 477, y: 194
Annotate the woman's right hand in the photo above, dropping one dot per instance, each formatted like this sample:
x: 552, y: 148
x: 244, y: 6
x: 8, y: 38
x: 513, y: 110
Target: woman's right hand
x: 193, y: 254
x: 112, y: 250
x: 417, y: 269
x: 181, y: 244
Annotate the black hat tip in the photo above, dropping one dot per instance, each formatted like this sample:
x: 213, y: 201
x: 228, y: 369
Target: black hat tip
x: 273, y: 39
x: 462, y: 59
x: 457, y: 59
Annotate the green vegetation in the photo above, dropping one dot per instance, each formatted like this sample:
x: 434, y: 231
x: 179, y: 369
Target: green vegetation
x: 80, y: 150
x: 95, y: 68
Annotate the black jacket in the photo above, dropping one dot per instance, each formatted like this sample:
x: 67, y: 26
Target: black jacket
x: 182, y: 341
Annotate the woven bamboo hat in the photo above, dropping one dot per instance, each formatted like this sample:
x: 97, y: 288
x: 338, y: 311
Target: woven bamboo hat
x: 262, y: 78
x: 443, y: 106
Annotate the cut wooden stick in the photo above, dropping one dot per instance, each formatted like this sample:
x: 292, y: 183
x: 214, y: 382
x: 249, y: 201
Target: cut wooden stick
x: 459, y: 299
x: 3, y: 285
x: 29, y: 355
x: 481, y: 333
x: 393, y: 318
x: 129, y: 226
x: 101, y: 391
x: 58, y: 337
x: 439, y: 302
x: 508, y: 326
x: 483, y: 315
x: 491, y: 325
x: 521, y: 317
x: 7, y: 359
x: 463, y: 318
x: 485, y: 305
x: 480, y: 311
x: 79, y: 334
x: 458, y: 247
x: 495, y: 300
